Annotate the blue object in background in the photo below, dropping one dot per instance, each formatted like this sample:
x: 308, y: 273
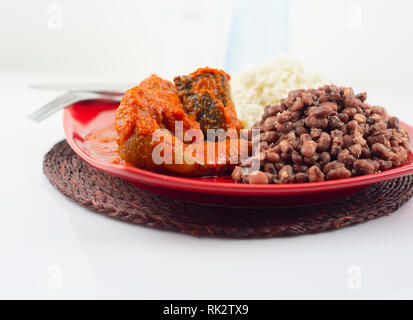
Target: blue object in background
x: 259, y: 32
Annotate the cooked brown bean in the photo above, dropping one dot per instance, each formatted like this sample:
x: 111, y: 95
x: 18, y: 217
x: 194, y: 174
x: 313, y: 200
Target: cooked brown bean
x: 344, y: 117
x: 325, y: 109
x: 393, y: 123
x: 285, y: 146
x: 284, y: 127
x: 305, y: 137
x: 314, y: 122
x: 324, y: 142
x: 360, y: 118
x: 279, y: 165
x: 272, y: 157
x: 385, y: 165
x: 315, y: 174
x: 335, y: 149
x: 352, y: 102
x: 337, y: 137
x: 362, y: 96
x: 269, y: 124
x: 296, y: 94
x: 285, y: 156
x: 394, y: 143
x: 380, y: 138
x: 348, y: 92
x: 324, y: 158
x: 332, y: 165
x: 271, y: 111
x: 258, y: 178
x: 296, y: 157
x: 365, y: 152
x: 312, y: 160
x: 300, y: 168
x: 340, y: 173
x: 309, y: 148
x: 379, y: 110
x: 358, y: 138
x: 334, y: 122
x: 297, y: 105
x: 270, y: 167
x: 264, y: 145
x: 346, y: 157
x: 364, y: 167
x: 315, y: 133
x: 288, y: 102
x: 399, y: 156
x: 378, y: 127
x: 300, y: 129
x: 307, y: 98
x: 270, y: 177
x: 347, y: 141
x: 286, y: 174
x: 285, y: 116
x: 301, y: 177
x: 381, y: 150
x: 350, y: 111
x: 323, y: 97
x: 269, y: 136
x: 355, y: 150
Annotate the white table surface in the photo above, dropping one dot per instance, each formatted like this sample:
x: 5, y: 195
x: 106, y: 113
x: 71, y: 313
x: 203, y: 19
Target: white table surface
x: 50, y: 247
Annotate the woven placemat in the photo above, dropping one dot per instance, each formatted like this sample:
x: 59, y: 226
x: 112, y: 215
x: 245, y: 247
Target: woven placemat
x: 118, y: 199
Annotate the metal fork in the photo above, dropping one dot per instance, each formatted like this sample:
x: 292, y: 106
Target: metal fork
x: 72, y: 97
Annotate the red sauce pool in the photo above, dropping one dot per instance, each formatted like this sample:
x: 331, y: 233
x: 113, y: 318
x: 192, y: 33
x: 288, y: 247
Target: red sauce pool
x: 101, y: 145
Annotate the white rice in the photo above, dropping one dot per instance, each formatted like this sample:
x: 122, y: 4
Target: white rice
x: 258, y: 86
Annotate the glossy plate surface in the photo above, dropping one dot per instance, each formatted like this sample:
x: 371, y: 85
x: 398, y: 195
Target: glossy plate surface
x: 82, y: 118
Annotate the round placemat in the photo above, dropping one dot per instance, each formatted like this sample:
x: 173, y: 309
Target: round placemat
x: 118, y: 199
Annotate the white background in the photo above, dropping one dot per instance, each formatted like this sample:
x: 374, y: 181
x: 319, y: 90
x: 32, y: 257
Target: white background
x: 53, y: 248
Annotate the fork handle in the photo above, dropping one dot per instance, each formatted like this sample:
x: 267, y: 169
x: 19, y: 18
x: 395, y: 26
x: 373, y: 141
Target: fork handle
x: 66, y: 100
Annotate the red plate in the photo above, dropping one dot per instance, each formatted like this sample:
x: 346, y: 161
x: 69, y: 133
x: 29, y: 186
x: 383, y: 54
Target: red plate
x: 82, y: 118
